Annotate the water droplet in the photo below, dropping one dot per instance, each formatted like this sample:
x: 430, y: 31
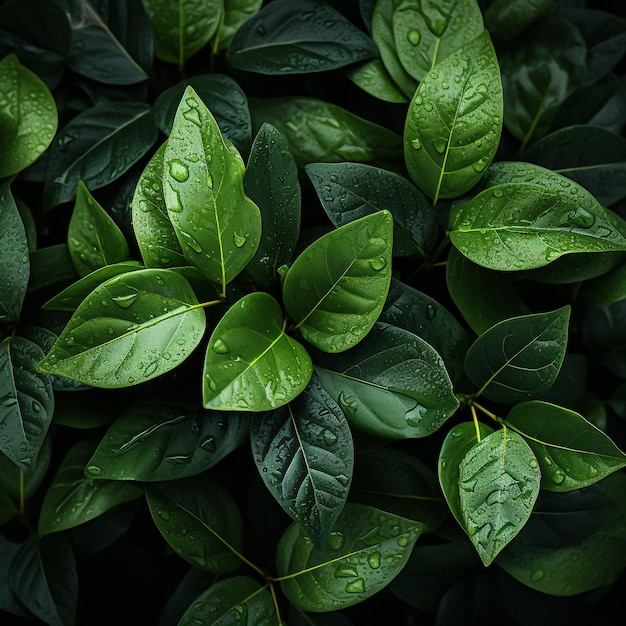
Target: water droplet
x: 481, y: 164
x: 414, y: 37
x: 239, y: 240
x: 533, y: 463
x: 430, y: 311
x: 208, y: 445
x: 151, y: 368
x: 211, y: 382
x: 335, y: 540
x: 179, y: 170
x: 209, y: 181
x: 537, y: 574
x: 356, y: 586
x: 419, y: 100
x: 192, y: 115
x: 416, y: 144
x: 558, y: 477
x: 329, y: 437
x: 498, y: 193
x: 378, y: 264
x: 126, y: 300
x: 428, y: 107
x: 174, y: 204
x: 403, y: 541
x: 547, y: 460
x: 373, y: 560
x: 415, y: 416
x: 220, y: 346
x: 191, y: 242
x: 581, y: 218
x: 345, y: 571
x: 94, y: 470
x: 498, y: 496
x: 440, y: 145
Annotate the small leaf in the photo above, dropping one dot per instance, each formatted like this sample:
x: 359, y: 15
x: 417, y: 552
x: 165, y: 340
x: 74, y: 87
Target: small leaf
x: 130, y: 329
x: 499, y: 482
x: 28, y: 118
x: 305, y: 455
x: 374, y: 79
x: 454, y: 121
x: 293, y: 38
x: 519, y: 358
x: 200, y: 520
x: 365, y: 551
x: 336, y: 289
x: 217, y: 225
x: 250, y: 363
x: 236, y: 12
x: 572, y: 452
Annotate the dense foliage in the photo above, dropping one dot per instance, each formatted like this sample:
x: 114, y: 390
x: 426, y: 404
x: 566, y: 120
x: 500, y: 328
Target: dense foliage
x: 312, y: 312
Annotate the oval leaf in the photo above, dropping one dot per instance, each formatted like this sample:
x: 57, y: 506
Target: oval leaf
x: 336, y: 288
x: 250, y: 363
x: 130, y: 329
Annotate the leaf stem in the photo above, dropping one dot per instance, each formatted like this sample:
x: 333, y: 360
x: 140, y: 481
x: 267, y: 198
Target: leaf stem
x: 312, y: 569
x: 275, y: 599
x: 476, y: 425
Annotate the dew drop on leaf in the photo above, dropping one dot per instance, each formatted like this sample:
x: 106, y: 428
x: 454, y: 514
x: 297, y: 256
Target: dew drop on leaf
x: 329, y: 437
x: 125, y: 300
x: 440, y: 145
x: 192, y: 115
x: 373, y: 560
x: 179, y: 170
x: 416, y: 144
x: 239, y: 240
x: 537, y: 574
x: 345, y: 571
x: 356, y: 586
x: 378, y: 264
x: 558, y: 477
x: 335, y: 540
x: 497, y: 193
x: 220, y: 346
x: 211, y: 382
x: 94, y: 470
x: 414, y: 37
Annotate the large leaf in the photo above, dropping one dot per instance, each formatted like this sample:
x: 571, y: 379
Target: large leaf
x: 28, y: 116
x: 97, y: 146
x: 336, y: 288
x: 304, y: 453
x: 572, y: 452
x: 287, y: 37
x: 251, y: 364
x: 162, y: 438
x: 26, y: 401
x: 519, y: 358
x: 499, y: 481
x: 130, y: 329
x: 200, y: 520
x: 392, y: 385
x: 365, y: 551
x: 14, y: 257
x: 183, y: 27
x: 454, y: 121
x: 217, y: 225
x: 505, y: 20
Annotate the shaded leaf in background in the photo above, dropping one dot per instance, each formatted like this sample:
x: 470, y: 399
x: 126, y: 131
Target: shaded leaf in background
x: 374, y: 79
x: 506, y: 20
x: 304, y: 454
x: 236, y: 12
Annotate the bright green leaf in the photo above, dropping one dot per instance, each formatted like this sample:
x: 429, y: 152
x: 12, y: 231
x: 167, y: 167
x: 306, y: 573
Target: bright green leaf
x: 374, y: 79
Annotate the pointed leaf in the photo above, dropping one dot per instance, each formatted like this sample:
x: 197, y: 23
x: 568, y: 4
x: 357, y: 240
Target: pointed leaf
x: 365, y: 551
x: 519, y: 358
x: 572, y: 452
x: 505, y: 20
x: 217, y: 225
x: 374, y: 79
x: 200, y: 520
x: 130, y: 329
x: 336, y: 289
x: 392, y: 385
x: 304, y: 453
x: 499, y: 481
x: 454, y: 121
x: 250, y: 363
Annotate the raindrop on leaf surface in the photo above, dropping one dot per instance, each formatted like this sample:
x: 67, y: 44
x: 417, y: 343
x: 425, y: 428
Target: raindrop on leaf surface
x: 178, y: 170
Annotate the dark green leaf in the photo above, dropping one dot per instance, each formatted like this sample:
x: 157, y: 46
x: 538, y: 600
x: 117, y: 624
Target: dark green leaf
x: 250, y: 363
x: 217, y: 225
x: 97, y: 146
x: 164, y: 438
x: 131, y: 328
x: 519, y: 358
x: 392, y: 385
x: 336, y: 289
x: 14, y: 257
x: 305, y: 455
x: 365, y: 551
x: 200, y: 520
x: 293, y: 38
x: 499, y: 482
x: 236, y: 12
x: 51, y: 267
x: 604, y: 336
x: 271, y: 181
x: 506, y: 20
x: 19, y: 485
x: 572, y: 452
x: 373, y: 78
x: 454, y: 121
x: 349, y: 191
x: 605, y: 289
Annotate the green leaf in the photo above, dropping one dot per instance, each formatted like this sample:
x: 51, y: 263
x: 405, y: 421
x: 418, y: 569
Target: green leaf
x: 519, y: 358
x: 305, y: 455
x: 426, y: 34
x: 51, y: 269
x: 348, y: 191
x: 294, y: 38
x: 454, y: 121
x: 392, y: 385
x: 83, y: 148
x: 572, y: 452
x: 26, y: 401
x: 238, y: 600
x: 236, y: 12
x: 365, y: 551
x: 499, y: 481
x: 93, y: 238
x: 605, y: 289
x: 271, y: 181
x: 131, y: 328
x: 318, y: 131
x: 374, y: 79
x: 336, y: 288
x: 217, y: 225
x: 28, y: 118
x: 72, y: 499
x: 14, y: 257
x: 251, y: 364
x: 506, y: 20
x: 529, y: 216
x: 200, y: 520
x: 163, y: 438
x: 20, y: 486
x: 538, y: 74
x: 183, y: 27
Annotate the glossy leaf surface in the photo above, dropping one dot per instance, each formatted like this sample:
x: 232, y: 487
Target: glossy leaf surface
x: 130, y: 329
x: 336, y: 288
x: 251, y: 364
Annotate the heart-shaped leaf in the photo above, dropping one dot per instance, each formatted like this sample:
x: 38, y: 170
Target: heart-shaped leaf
x: 251, y: 364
